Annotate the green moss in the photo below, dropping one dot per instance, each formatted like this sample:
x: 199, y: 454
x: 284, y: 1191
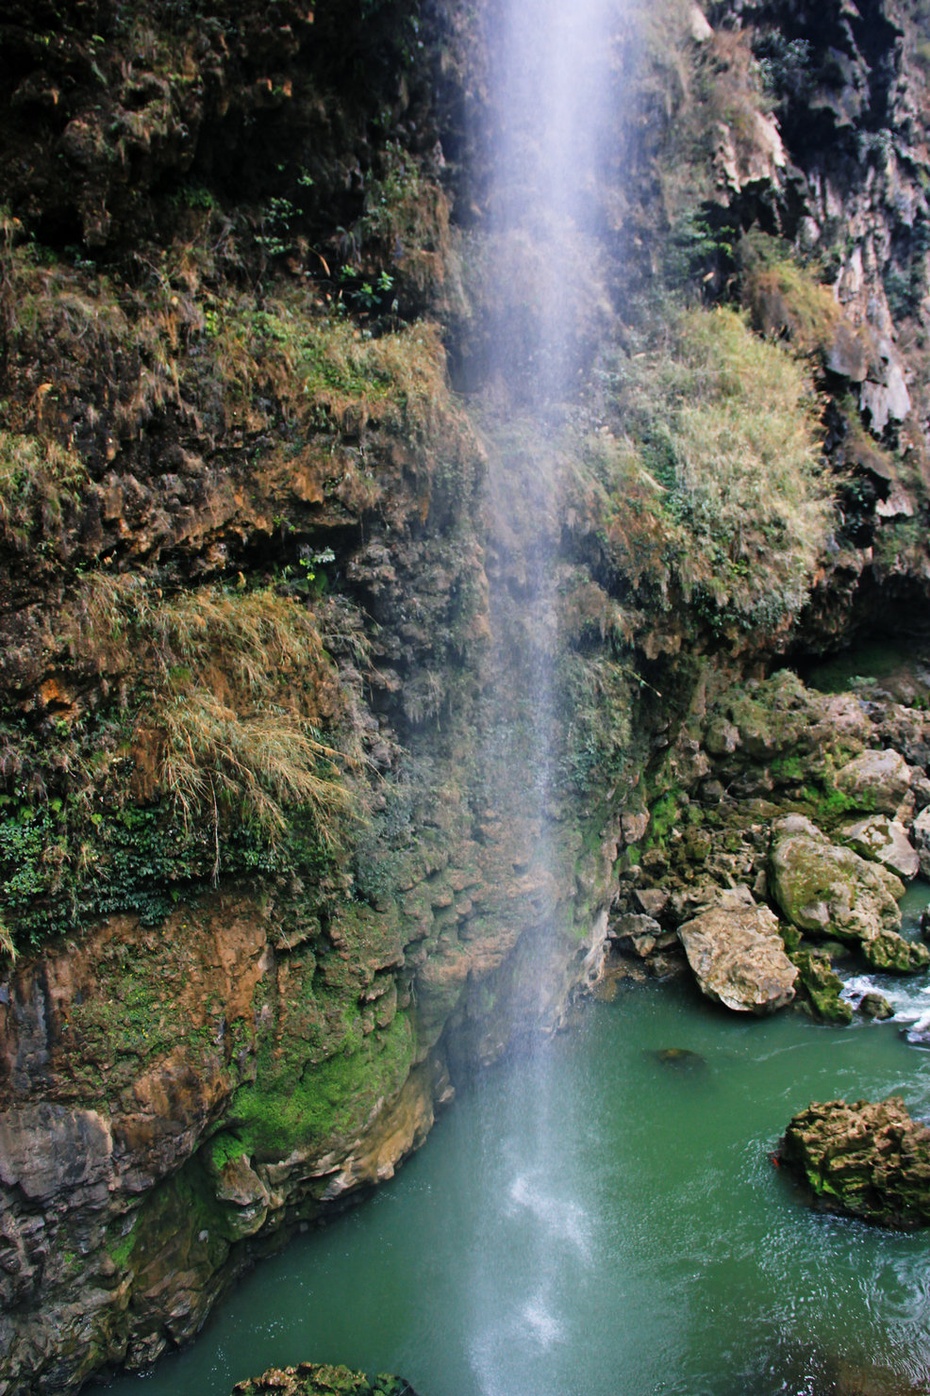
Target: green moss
x: 297, y: 1103
x: 120, y: 1247
x: 822, y: 985
x: 222, y: 1149
x: 789, y: 770
x: 664, y: 816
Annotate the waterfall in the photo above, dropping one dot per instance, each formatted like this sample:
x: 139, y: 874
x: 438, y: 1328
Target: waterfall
x: 550, y: 81
x: 544, y: 302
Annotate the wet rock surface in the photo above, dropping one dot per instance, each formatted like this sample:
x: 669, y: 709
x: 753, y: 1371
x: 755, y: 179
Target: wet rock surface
x: 868, y: 1160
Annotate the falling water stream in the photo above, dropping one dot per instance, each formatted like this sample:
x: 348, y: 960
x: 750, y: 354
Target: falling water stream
x: 591, y: 1218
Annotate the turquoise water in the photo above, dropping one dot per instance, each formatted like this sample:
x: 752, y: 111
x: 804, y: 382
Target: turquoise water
x: 596, y: 1221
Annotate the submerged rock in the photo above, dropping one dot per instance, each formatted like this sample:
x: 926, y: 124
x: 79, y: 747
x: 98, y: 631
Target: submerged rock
x: 314, y: 1379
x: 868, y: 1160
x: 682, y: 1058
x: 738, y: 958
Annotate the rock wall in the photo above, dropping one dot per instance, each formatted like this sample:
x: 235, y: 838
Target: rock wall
x: 271, y: 860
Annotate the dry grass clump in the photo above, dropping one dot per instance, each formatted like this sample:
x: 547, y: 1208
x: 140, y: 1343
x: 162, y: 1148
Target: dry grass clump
x: 314, y: 362
x: 7, y: 946
x: 38, y: 478
x: 259, y: 764
x: 785, y: 300
x: 747, y: 483
x: 235, y: 687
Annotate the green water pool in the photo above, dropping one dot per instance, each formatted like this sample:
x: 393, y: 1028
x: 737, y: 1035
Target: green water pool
x: 600, y: 1220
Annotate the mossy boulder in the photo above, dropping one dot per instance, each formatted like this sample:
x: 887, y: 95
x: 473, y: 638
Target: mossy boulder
x: 866, y: 1160
x: 875, y: 780
x: 828, y: 890
x: 316, y: 1379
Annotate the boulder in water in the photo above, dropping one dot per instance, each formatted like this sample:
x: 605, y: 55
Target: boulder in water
x: 738, y: 958
x: 876, y: 1006
x: 823, y: 986
x: 865, y: 1160
x: 321, y: 1379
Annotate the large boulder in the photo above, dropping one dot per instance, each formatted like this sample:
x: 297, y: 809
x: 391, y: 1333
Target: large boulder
x: 867, y: 1160
x: 829, y: 890
x: 883, y: 840
x: 876, y: 780
x: 321, y: 1379
x: 738, y: 957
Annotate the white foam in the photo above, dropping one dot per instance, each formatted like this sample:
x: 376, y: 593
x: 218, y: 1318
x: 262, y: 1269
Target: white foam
x: 563, y: 1219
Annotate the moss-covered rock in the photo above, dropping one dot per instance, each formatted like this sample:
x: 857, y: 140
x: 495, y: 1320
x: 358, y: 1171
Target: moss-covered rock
x: 823, y: 986
x: 828, y: 890
x: 315, y: 1379
x: 867, y: 1160
x: 875, y: 780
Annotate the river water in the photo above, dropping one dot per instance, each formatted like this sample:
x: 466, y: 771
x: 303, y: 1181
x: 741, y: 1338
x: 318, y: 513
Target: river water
x: 651, y: 1245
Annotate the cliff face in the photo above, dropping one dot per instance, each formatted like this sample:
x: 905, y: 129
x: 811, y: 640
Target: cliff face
x: 268, y: 855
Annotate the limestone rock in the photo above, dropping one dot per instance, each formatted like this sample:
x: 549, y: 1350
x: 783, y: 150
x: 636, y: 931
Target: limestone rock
x: 888, y: 397
x: 920, y: 833
x: 638, y: 934
x: 318, y: 1379
x: 47, y: 1149
x: 652, y: 901
x: 739, y: 959
x: 876, y: 780
x: 867, y: 1160
x: 828, y: 890
x: 884, y: 841
x: 701, y: 31
x: 633, y: 825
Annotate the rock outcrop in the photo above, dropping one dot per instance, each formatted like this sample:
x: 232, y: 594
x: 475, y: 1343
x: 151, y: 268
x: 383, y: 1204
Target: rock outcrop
x: 317, y: 1379
x: 320, y: 1379
x: 866, y: 1160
